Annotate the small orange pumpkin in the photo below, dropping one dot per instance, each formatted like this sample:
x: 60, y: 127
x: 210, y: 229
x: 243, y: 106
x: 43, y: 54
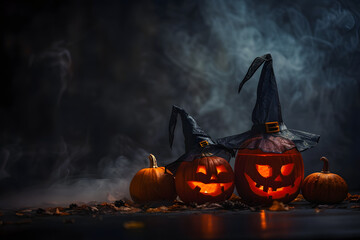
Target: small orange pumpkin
x: 324, y: 187
x: 153, y: 184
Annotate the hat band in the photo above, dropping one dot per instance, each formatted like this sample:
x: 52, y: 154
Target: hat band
x: 204, y: 143
x: 269, y: 127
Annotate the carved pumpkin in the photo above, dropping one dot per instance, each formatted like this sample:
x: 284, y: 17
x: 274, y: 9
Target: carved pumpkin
x: 203, y: 173
x: 153, y: 184
x: 268, y: 165
x: 324, y: 187
x: 262, y: 177
x: 207, y: 178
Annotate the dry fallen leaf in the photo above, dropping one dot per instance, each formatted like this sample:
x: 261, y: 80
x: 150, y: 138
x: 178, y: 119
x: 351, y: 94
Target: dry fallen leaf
x: 57, y: 212
x: 299, y: 198
x: 177, y: 207
x: 93, y: 209
x: 234, y: 198
x: 129, y: 209
x: 348, y: 196
x: 133, y: 225
x: 158, y: 209
x: 317, y: 210
x: 278, y: 206
x: 354, y: 198
x: 26, y: 211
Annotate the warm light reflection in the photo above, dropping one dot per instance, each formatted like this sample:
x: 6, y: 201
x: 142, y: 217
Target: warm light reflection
x: 263, y: 220
x: 211, y: 226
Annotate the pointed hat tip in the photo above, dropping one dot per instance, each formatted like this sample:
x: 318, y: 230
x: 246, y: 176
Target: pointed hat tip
x: 266, y: 57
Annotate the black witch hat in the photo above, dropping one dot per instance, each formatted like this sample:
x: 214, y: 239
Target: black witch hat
x: 268, y: 132
x: 197, y: 142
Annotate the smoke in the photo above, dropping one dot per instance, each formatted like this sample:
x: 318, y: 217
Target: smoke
x: 313, y: 47
x: 86, y: 111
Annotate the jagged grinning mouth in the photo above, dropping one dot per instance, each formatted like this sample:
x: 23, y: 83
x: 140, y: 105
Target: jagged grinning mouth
x: 271, y: 193
x: 212, y: 189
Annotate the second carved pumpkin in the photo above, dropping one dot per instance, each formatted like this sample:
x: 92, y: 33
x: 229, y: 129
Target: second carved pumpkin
x: 205, y: 179
x: 203, y: 173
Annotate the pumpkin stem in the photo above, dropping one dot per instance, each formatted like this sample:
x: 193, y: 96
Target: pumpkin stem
x: 326, y: 165
x: 153, y: 163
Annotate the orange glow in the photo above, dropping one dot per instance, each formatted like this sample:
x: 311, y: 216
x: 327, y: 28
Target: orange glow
x: 263, y: 220
x: 211, y: 226
x: 278, y: 179
x: 264, y: 170
x: 275, y: 194
x: 266, y: 155
x: 212, y: 189
x: 201, y: 169
x: 220, y: 169
x: 287, y: 169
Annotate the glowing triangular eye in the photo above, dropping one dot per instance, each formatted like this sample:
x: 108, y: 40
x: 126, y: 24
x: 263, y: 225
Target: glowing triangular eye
x: 201, y: 169
x: 287, y: 169
x: 220, y: 169
x: 264, y: 170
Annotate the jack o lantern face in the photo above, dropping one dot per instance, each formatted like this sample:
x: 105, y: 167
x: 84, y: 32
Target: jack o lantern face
x: 205, y: 179
x: 263, y: 177
x: 213, y: 187
x: 275, y: 186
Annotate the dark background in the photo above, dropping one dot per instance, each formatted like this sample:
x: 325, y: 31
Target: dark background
x: 87, y: 87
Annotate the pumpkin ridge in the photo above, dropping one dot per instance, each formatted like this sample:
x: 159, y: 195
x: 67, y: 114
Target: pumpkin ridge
x: 324, y: 187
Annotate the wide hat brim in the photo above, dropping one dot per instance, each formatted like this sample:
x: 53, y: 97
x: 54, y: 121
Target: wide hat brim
x: 216, y: 150
x: 271, y: 142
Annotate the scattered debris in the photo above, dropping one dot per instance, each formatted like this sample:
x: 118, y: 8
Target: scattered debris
x: 234, y: 205
x: 353, y: 198
x: 119, y: 203
x: 158, y: 209
x: 234, y: 198
x: 40, y: 211
x: 126, y: 206
x: 278, y: 206
x: 317, y: 210
x: 299, y: 198
x: 93, y: 209
x: 178, y: 207
x: 59, y: 213
x: 73, y: 206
